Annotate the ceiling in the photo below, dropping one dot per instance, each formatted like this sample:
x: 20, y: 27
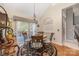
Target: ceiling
x: 25, y: 9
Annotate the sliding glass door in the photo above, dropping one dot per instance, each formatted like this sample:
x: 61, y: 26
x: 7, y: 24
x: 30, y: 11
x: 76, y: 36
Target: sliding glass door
x: 24, y: 31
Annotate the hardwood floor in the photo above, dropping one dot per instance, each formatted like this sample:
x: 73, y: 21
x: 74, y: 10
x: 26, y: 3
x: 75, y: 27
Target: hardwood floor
x: 66, y: 51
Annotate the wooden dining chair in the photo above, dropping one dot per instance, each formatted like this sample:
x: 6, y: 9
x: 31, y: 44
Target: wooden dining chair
x: 51, y: 36
x: 37, y: 41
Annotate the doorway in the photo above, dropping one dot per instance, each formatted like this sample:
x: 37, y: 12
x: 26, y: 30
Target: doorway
x: 70, y: 25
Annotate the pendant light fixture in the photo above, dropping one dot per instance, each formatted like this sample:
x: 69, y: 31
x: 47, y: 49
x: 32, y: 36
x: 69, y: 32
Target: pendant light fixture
x: 34, y: 16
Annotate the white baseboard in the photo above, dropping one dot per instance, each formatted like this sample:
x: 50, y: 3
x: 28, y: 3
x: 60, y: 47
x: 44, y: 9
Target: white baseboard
x: 68, y: 44
x: 57, y: 43
x: 71, y: 45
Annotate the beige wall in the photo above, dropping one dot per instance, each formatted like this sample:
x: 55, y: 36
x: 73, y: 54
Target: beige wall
x: 55, y: 13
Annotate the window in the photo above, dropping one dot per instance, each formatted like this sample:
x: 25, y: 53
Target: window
x: 20, y: 27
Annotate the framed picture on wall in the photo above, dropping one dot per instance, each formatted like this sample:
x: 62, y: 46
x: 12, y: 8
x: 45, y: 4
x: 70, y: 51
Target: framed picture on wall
x: 48, y: 24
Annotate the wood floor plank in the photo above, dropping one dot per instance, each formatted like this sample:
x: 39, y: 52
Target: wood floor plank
x: 66, y: 51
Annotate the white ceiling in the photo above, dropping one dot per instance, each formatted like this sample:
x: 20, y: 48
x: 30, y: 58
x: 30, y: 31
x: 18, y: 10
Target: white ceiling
x: 25, y: 9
